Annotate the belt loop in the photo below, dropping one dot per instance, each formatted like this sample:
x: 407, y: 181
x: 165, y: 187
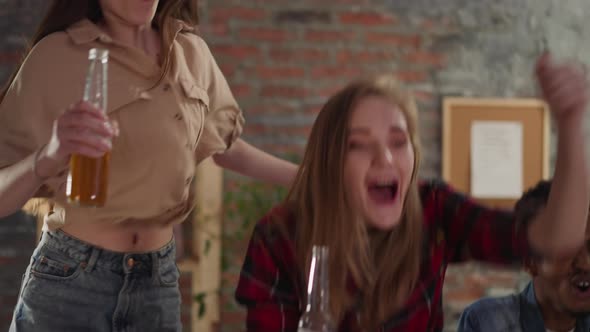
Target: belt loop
x: 93, y: 258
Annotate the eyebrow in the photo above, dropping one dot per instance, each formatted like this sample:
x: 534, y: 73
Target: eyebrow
x: 366, y: 131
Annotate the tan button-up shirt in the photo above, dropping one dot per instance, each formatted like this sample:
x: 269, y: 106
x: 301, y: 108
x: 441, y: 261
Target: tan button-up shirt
x: 164, y: 130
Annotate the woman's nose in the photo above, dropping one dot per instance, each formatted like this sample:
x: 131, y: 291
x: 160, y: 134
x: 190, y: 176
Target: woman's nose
x: 384, y: 156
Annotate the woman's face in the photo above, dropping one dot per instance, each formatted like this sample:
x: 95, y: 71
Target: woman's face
x: 130, y: 12
x: 379, y: 161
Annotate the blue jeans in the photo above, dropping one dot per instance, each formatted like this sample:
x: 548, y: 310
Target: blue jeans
x: 73, y: 286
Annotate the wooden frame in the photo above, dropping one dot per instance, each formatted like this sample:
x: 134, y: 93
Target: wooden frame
x: 459, y: 114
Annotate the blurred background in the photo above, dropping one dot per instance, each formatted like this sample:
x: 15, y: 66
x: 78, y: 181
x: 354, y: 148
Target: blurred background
x: 283, y: 58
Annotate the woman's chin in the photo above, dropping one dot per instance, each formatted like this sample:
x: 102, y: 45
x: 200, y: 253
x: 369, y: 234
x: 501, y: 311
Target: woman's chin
x: 385, y: 222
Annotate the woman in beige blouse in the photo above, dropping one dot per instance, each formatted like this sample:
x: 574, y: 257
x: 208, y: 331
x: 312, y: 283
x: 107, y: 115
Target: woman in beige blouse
x: 170, y: 107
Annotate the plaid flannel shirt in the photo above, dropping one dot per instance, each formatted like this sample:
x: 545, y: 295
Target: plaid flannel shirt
x: 456, y: 229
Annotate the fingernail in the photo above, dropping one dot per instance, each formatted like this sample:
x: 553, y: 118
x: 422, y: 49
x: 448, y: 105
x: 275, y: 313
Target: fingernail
x: 109, y: 128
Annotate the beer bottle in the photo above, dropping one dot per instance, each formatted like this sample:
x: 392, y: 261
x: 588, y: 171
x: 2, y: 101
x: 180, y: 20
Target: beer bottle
x: 87, y: 180
x: 316, y: 317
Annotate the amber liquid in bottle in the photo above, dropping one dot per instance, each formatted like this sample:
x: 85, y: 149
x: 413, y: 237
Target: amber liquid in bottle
x: 88, y: 179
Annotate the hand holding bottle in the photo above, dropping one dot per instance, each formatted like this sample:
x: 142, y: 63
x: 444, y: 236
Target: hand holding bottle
x: 82, y: 129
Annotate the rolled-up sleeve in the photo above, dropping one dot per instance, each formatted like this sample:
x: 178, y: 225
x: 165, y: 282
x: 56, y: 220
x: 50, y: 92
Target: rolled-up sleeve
x: 224, y: 121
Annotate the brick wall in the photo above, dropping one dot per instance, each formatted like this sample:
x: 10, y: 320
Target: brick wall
x: 283, y: 58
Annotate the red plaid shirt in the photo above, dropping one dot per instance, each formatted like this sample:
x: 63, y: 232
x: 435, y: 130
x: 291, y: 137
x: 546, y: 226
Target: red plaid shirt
x: 456, y: 229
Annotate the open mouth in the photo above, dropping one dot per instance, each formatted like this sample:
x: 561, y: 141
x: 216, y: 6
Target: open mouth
x: 581, y: 284
x: 383, y: 192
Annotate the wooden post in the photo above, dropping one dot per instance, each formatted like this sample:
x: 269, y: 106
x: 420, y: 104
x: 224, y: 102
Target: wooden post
x: 207, y: 228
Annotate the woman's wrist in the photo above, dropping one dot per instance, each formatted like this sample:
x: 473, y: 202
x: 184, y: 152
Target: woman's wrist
x: 45, y: 167
x: 573, y: 121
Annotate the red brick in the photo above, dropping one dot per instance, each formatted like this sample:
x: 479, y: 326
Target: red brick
x: 315, y: 109
x: 394, y: 39
x: 228, y: 68
x: 328, y: 91
x: 241, y: 90
x: 409, y: 76
x: 364, y: 56
x: 424, y: 96
x: 355, y: 2
x: 304, y: 55
x: 216, y: 29
x: 335, y: 72
x: 269, y: 108
x: 236, y: 51
x: 224, y: 14
x: 262, y: 130
x: 328, y: 36
x: 367, y: 19
x: 265, y: 34
x: 279, y: 72
x: 283, y: 91
x: 186, y: 297
x: 440, y: 24
x: 425, y: 58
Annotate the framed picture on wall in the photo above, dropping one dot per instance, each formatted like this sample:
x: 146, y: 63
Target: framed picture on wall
x: 494, y: 149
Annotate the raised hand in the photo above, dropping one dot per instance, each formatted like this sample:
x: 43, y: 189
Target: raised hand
x: 564, y: 87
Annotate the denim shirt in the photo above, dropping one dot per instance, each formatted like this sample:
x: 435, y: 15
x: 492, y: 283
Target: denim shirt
x: 514, y: 313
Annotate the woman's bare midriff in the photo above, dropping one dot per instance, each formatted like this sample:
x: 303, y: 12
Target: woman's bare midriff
x: 133, y: 237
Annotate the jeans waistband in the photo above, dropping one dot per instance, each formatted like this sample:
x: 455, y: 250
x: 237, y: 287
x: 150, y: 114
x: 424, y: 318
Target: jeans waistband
x: 94, y: 256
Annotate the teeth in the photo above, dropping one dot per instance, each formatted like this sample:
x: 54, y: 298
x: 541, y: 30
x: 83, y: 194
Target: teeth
x: 385, y: 182
x: 583, y: 284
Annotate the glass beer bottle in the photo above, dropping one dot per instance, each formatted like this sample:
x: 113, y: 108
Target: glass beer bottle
x: 87, y: 180
x: 317, y: 317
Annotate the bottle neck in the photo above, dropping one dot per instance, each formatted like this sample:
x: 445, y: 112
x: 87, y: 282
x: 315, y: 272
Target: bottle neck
x: 317, y: 288
x: 95, y: 91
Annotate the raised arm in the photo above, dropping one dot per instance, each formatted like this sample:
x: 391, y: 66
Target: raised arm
x: 473, y: 231
x: 559, y: 229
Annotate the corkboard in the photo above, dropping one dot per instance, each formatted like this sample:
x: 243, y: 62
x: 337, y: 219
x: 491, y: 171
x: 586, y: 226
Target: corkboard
x: 458, y: 115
